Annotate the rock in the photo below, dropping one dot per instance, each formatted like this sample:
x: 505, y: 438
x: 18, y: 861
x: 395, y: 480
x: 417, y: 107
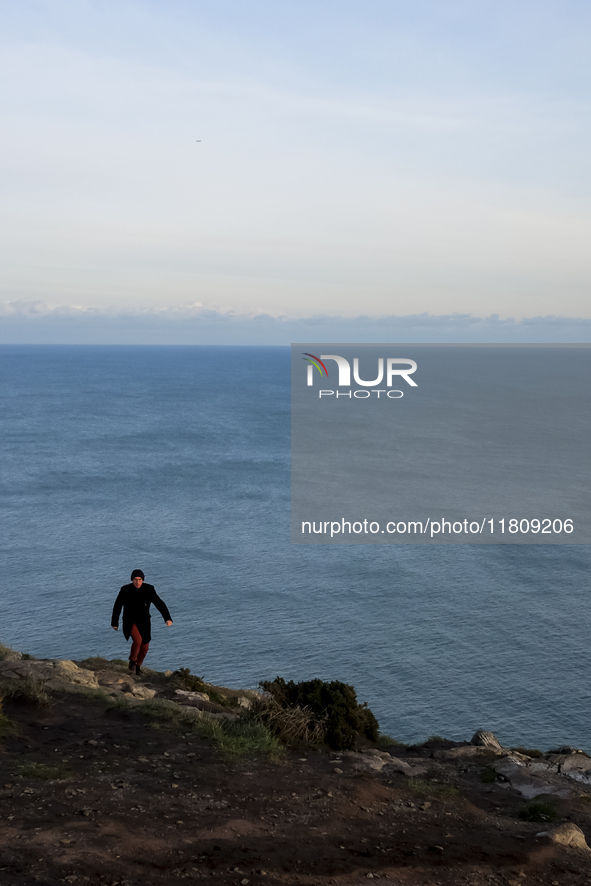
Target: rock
x: 566, y: 749
x: 70, y: 672
x: 576, y: 765
x: 485, y: 740
x: 530, y: 781
x: 367, y: 762
x: 143, y: 692
x: 12, y: 655
x: 193, y: 696
x: 467, y: 751
x: 244, y: 702
x: 567, y: 834
x: 399, y: 766
x: 374, y: 760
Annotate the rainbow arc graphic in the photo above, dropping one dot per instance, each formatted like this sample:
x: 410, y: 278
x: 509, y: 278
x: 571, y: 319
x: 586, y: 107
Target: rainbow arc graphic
x: 317, y: 362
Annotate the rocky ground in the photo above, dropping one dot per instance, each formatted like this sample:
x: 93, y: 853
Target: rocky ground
x: 96, y: 791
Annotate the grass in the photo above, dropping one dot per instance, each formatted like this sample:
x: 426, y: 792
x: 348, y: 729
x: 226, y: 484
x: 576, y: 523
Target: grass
x: 420, y: 786
x: 233, y: 738
x: 240, y: 738
x: 184, y: 679
x: 528, y: 752
x: 118, y: 664
x: 537, y: 810
x: 160, y: 710
x: 44, y: 771
x: 488, y: 775
x: 28, y: 690
x: 6, y: 724
x: 293, y: 726
x: 386, y: 741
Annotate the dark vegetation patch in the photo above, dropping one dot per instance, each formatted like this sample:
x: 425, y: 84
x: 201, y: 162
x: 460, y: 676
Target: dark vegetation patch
x: 27, y: 690
x: 528, y: 752
x: 488, y: 775
x: 331, y: 712
x: 537, y: 810
x: 44, y: 771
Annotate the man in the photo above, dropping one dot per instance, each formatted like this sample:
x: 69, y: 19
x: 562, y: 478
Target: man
x: 135, y: 599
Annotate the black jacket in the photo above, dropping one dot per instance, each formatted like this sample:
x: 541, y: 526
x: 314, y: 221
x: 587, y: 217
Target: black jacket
x: 136, y: 603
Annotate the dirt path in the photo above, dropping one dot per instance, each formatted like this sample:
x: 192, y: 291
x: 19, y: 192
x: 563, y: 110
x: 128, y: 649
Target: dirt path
x: 133, y: 802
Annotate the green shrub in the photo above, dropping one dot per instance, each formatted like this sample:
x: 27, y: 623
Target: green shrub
x: 537, y: 810
x: 333, y: 707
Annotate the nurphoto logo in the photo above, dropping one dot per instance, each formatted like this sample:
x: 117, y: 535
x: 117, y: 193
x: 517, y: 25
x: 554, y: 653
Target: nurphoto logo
x: 399, y: 367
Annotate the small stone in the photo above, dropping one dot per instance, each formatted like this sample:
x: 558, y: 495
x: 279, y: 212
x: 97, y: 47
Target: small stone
x: 339, y: 772
x: 244, y: 882
x: 92, y: 742
x: 369, y: 876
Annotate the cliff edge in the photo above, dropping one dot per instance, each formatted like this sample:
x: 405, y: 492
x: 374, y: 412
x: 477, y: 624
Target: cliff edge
x: 108, y: 778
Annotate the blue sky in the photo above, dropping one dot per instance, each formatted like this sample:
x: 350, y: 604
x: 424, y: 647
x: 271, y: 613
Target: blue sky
x: 371, y: 158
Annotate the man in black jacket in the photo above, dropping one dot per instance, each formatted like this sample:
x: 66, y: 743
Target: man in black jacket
x: 135, y: 599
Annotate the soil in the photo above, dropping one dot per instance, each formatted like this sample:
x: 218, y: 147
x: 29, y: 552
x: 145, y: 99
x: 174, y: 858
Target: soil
x: 142, y: 803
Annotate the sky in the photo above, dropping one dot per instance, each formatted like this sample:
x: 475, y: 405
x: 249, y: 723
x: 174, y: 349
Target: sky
x: 238, y: 171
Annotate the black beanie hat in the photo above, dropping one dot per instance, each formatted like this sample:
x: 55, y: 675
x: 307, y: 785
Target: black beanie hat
x: 137, y: 573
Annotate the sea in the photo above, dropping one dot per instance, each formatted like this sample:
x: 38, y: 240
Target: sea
x: 176, y: 460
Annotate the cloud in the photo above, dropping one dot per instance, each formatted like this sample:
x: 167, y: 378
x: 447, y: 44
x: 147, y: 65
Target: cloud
x: 36, y: 322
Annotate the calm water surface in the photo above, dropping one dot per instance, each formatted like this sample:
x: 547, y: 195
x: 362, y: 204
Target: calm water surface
x: 177, y: 460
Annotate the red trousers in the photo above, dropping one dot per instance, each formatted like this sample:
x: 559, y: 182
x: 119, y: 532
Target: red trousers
x: 139, y: 649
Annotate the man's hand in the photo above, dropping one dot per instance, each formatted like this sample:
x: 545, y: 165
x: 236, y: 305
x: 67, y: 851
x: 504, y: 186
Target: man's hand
x: 115, y: 627
x: 168, y: 624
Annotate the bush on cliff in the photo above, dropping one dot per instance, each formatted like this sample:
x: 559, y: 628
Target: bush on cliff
x: 318, y: 711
